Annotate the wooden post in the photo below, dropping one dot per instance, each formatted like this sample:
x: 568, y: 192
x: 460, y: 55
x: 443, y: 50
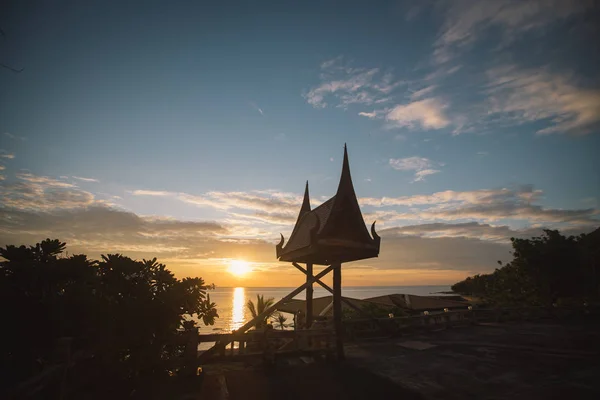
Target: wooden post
x: 191, y: 351
x: 337, y: 310
x: 220, y: 346
x: 309, y: 295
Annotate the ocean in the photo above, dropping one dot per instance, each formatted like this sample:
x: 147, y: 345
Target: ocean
x: 231, y: 302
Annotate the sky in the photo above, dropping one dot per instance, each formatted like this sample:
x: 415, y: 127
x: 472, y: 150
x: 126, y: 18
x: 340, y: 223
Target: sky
x: 186, y: 130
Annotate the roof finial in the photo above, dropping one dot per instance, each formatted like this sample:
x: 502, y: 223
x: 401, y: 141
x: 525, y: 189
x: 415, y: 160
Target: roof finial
x: 305, y: 203
x: 345, y: 179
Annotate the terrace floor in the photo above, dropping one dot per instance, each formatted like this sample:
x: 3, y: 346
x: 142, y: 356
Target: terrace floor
x: 488, y: 361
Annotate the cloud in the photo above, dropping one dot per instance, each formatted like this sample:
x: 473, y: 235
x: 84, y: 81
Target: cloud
x: 372, y: 114
x: 257, y: 108
x: 422, y: 92
x: 467, y: 254
x: 199, y: 248
x: 270, y: 207
x: 410, y: 163
x: 5, y: 154
x: 468, y: 21
x: 99, y: 226
x: 420, y: 175
x: 427, y: 114
x: 285, y: 219
x: 349, y: 86
x: 152, y: 193
x: 38, y: 193
x: 422, y: 166
x: 428, y: 252
x: 13, y: 137
x: 536, y: 95
x: 442, y: 72
x: 487, y: 205
x: 473, y: 230
x: 345, y: 85
x: 79, y: 178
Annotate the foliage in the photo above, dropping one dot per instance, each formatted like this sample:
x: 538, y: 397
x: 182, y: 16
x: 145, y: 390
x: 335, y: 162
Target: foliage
x: 122, y: 313
x: 258, y: 308
x: 544, y: 270
x: 280, y: 320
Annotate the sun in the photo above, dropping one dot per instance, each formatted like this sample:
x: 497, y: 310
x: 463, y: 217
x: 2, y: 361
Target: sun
x: 239, y: 267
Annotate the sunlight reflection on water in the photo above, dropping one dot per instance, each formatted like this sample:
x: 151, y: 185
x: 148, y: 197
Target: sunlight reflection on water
x: 238, y: 316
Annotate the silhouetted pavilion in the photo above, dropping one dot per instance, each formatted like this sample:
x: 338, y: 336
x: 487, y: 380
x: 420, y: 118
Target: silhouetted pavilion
x: 331, y: 234
x: 334, y: 232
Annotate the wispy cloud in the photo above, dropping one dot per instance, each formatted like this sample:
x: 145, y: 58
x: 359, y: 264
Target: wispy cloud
x: 152, y: 193
x: 486, y: 205
x: 536, y: 95
x: 371, y: 114
x: 343, y: 85
x: 426, y: 114
x: 79, y: 178
x: 267, y: 206
x: 474, y: 230
x: 39, y: 193
x: 6, y: 154
x: 421, y: 166
x: 468, y: 21
x: 257, y: 108
x: 422, y: 92
x: 13, y: 137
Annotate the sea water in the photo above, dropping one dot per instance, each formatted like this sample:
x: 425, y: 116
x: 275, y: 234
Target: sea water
x: 233, y: 313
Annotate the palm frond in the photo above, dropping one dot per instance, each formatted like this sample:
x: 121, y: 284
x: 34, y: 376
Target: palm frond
x: 252, y: 308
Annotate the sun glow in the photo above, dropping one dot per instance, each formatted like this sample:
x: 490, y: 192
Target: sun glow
x: 239, y: 267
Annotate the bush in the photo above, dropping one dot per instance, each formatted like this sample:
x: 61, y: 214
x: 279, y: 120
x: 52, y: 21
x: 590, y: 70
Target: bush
x: 121, y: 313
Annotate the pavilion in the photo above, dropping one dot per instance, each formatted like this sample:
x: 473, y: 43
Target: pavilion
x: 331, y: 234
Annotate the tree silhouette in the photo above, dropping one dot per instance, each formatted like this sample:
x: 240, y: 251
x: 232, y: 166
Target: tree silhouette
x: 544, y: 270
x: 280, y: 320
x: 258, y: 308
x: 124, y: 314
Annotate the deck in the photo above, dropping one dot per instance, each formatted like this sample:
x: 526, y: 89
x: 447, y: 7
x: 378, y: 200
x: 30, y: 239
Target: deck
x: 515, y: 360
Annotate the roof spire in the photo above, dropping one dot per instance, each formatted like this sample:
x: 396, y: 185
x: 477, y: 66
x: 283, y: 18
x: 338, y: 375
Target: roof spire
x: 345, y: 179
x: 305, y: 203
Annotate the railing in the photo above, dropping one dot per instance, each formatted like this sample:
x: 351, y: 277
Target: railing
x: 363, y: 328
x: 268, y: 343
x: 273, y: 343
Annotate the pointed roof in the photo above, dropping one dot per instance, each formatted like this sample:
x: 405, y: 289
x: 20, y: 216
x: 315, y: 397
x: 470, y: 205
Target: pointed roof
x: 305, y: 204
x: 334, y: 231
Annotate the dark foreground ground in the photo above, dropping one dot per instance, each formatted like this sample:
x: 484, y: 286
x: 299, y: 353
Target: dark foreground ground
x: 490, y: 361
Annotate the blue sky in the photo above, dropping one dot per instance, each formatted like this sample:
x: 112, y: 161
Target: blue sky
x: 187, y: 131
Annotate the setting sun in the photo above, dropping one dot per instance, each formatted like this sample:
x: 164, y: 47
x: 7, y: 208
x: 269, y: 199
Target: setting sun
x: 239, y: 267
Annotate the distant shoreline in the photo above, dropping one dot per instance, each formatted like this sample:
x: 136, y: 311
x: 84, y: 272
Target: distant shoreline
x: 365, y: 286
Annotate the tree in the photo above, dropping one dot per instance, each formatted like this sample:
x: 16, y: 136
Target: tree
x: 258, y: 308
x: 280, y: 320
x: 544, y: 270
x: 123, y: 313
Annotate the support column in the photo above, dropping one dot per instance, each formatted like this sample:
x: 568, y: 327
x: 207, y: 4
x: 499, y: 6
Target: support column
x: 337, y: 310
x: 309, y: 296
